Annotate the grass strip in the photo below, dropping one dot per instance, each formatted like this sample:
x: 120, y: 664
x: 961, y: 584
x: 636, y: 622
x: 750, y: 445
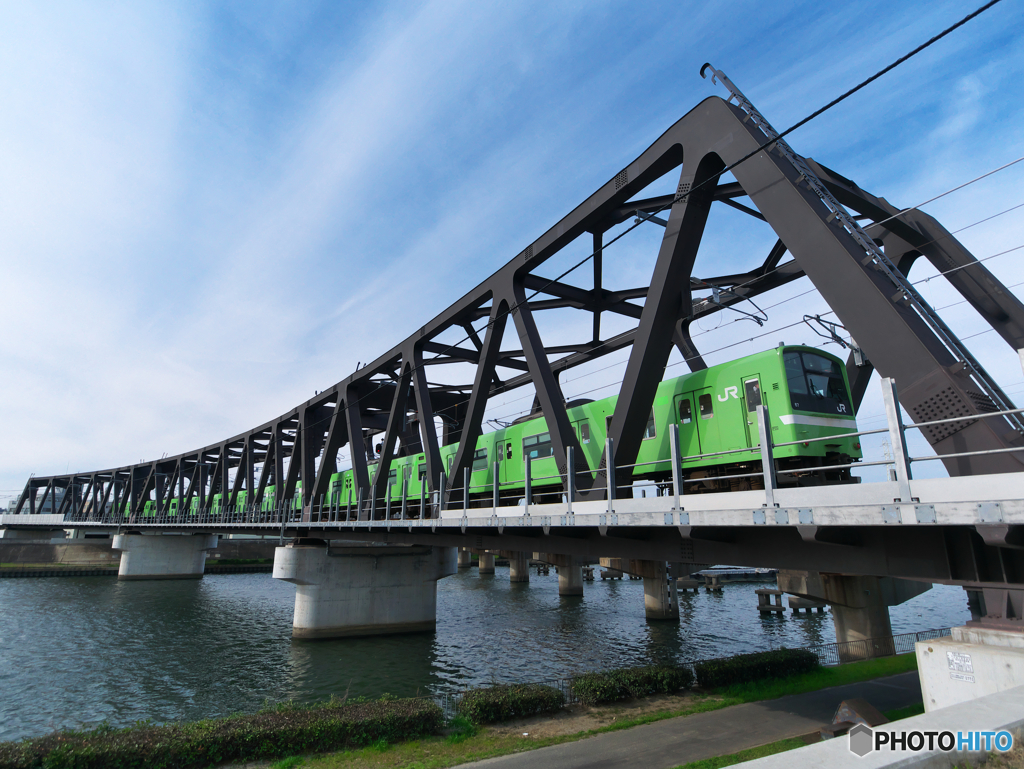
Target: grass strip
x: 907, y: 712
x: 437, y: 753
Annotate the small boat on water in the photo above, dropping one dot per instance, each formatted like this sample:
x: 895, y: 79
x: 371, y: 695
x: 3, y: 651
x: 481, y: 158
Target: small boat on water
x: 736, y: 574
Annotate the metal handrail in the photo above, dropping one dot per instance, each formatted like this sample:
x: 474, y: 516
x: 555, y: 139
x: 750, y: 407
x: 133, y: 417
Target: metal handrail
x: 849, y: 466
x: 1019, y: 449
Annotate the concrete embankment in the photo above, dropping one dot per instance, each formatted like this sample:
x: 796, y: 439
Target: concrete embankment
x: 96, y: 558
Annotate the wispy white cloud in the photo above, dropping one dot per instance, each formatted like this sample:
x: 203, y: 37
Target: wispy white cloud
x: 204, y: 215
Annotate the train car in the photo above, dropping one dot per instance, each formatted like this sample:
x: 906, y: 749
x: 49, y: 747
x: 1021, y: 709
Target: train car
x: 805, y: 390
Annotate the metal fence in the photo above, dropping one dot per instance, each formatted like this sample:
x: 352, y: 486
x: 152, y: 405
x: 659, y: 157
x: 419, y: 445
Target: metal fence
x: 829, y: 655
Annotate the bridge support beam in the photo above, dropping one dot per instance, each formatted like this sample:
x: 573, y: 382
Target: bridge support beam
x: 163, y: 556
x: 465, y: 558
x: 362, y: 591
x: 518, y: 566
x: 860, y: 607
x: 486, y: 563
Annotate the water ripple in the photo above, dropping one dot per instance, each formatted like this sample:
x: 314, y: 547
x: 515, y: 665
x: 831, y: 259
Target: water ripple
x: 79, y: 651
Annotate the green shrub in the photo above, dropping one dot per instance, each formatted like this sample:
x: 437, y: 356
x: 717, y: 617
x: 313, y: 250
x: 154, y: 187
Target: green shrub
x: 505, y: 702
x: 779, y: 663
x: 630, y: 683
x: 266, y: 735
x: 460, y: 729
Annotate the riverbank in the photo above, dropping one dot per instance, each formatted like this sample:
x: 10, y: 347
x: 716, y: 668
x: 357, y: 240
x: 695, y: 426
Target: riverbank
x: 402, y: 732
x: 718, y: 715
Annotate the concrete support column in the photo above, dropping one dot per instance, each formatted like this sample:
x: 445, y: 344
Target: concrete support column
x: 465, y: 558
x: 519, y: 567
x: 486, y: 563
x: 868, y: 622
x: 860, y: 607
x: 362, y: 591
x: 570, y: 577
x: 660, y: 601
x: 163, y: 556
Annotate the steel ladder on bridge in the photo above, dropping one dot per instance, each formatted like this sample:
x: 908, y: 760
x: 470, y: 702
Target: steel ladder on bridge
x: 873, y: 254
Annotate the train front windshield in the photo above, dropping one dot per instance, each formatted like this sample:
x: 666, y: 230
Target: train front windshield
x: 816, y: 384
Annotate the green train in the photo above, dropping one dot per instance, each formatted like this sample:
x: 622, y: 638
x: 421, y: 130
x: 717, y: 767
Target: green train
x: 806, y: 391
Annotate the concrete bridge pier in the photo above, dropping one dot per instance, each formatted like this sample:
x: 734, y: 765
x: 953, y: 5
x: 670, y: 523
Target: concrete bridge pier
x: 860, y: 606
x: 163, y: 556
x: 570, y: 572
x: 486, y: 562
x: 570, y: 578
x: 661, y: 597
x: 465, y: 558
x: 518, y: 566
x: 355, y: 590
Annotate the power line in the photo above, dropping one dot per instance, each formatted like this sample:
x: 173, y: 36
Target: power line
x: 954, y: 189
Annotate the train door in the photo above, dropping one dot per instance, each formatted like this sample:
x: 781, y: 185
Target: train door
x: 687, y: 416
x: 751, y: 400
x: 708, y: 422
x: 502, y: 454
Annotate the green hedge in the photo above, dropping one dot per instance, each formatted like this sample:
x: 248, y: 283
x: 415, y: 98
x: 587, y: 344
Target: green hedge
x: 779, y: 663
x: 630, y: 683
x: 271, y: 734
x: 502, y: 703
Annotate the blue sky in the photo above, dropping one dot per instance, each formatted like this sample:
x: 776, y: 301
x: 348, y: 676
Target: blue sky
x: 209, y: 211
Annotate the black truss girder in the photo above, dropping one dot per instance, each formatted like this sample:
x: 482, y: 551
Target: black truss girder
x: 376, y: 398
x: 653, y: 342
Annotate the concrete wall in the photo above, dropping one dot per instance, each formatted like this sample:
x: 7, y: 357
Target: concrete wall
x: 971, y: 663
x: 97, y: 552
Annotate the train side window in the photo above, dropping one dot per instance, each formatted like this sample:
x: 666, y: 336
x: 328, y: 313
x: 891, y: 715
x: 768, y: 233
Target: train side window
x: 705, y: 407
x: 538, y: 446
x: 423, y: 472
x: 685, y: 411
x: 508, y: 454
x: 480, y: 459
x: 651, y: 429
x: 585, y: 432
x: 752, y: 393
x: 392, y: 477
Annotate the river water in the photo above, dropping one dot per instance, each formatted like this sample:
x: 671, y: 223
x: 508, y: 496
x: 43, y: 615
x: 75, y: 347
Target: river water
x: 79, y: 651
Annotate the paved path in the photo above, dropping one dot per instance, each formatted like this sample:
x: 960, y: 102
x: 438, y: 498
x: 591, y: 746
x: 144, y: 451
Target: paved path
x: 676, y: 741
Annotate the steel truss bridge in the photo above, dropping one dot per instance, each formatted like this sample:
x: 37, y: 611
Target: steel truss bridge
x: 856, y: 249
